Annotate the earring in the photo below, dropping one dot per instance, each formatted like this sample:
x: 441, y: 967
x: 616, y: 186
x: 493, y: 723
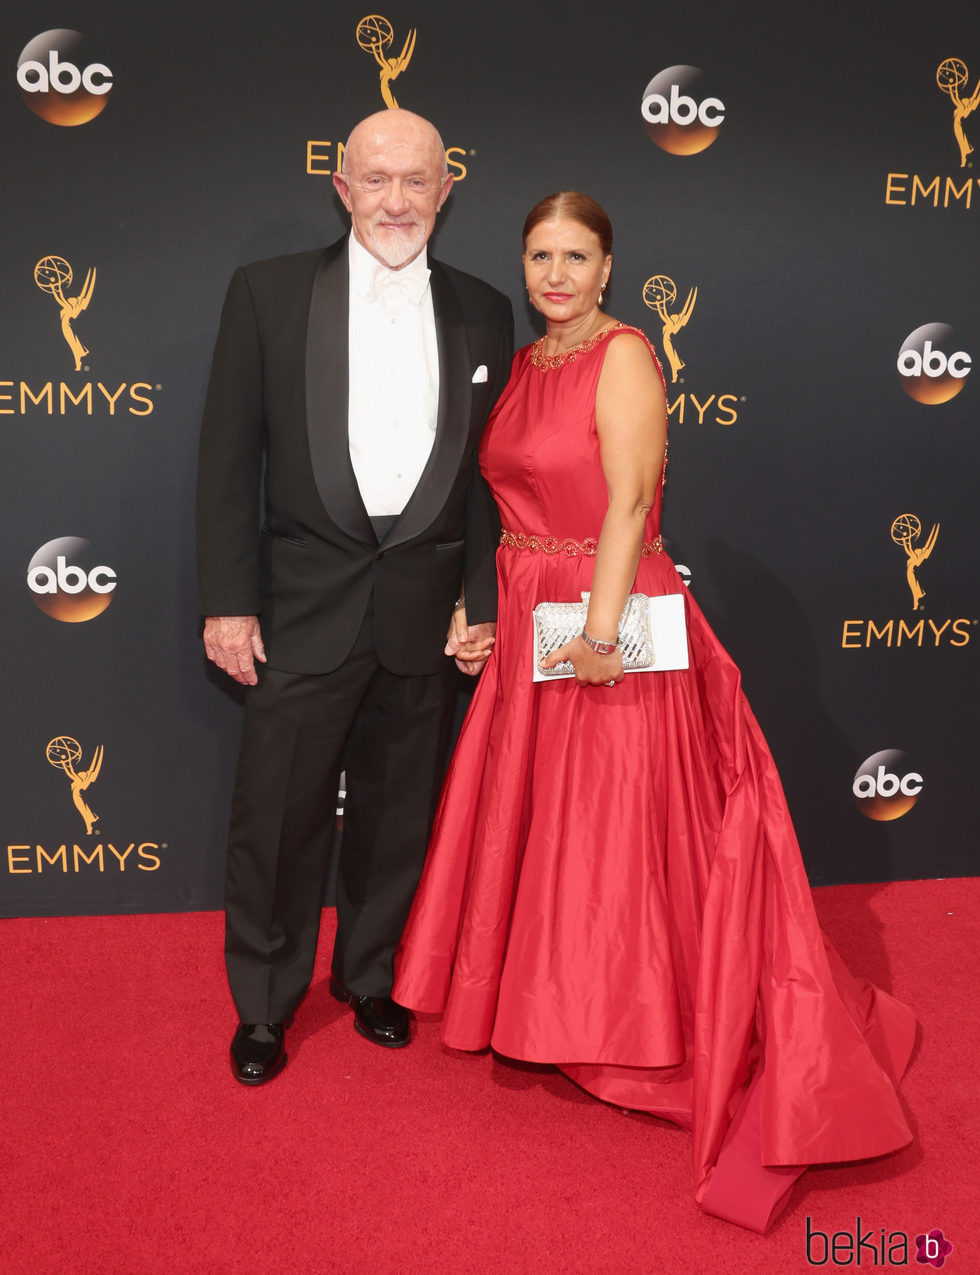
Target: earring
x: 602, y: 288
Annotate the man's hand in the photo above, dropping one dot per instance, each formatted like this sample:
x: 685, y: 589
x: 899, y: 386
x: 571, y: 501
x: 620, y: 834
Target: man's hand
x: 234, y: 642
x: 469, y: 644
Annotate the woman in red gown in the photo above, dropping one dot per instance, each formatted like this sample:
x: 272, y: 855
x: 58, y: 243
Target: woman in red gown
x: 613, y: 883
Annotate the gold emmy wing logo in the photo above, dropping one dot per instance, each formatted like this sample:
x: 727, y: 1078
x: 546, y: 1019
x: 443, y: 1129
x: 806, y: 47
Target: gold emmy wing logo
x: 951, y: 76
x: 63, y: 752
x: 906, y: 530
x: 375, y: 35
x: 54, y: 275
x: 660, y: 293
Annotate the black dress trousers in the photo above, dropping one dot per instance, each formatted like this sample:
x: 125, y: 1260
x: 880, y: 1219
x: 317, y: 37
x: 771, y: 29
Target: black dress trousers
x: 390, y: 734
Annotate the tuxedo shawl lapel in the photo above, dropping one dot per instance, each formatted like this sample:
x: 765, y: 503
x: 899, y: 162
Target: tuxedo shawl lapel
x: 453, y: 418
x: 327, y: 379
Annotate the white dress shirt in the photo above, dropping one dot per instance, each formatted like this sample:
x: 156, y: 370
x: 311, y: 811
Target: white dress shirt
x: 394, y: 378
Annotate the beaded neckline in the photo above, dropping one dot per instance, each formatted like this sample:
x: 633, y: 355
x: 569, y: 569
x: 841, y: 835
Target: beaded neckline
x: 549, y: 362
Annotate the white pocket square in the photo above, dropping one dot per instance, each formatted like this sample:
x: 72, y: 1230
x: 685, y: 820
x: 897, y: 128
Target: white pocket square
x: 480, y: 375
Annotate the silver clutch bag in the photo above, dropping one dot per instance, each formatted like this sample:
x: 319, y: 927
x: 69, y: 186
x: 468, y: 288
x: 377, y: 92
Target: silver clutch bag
x: 652, y: 633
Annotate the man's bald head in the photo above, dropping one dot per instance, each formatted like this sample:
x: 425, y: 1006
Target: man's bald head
x: 393, y: 180
x: 393, y: 131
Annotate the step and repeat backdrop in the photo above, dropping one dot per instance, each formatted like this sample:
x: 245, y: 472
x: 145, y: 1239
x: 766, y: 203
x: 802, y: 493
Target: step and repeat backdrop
x: 796, y: 203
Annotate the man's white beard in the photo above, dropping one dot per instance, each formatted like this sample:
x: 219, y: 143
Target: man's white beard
x: 397, y: 250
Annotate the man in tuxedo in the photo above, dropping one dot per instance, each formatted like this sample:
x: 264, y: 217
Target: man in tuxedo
x: 351, y: 386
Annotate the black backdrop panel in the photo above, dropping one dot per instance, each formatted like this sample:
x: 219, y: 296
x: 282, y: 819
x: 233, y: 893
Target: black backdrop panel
x: 831, y: 214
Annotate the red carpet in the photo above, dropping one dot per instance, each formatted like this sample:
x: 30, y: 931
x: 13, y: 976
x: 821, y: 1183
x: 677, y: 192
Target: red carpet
x: 128, y: 1147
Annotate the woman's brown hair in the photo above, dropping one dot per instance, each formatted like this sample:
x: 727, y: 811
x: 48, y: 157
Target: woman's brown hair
x: 576, y: 206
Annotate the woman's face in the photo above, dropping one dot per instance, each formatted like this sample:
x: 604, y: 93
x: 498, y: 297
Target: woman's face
x: 564, y: 268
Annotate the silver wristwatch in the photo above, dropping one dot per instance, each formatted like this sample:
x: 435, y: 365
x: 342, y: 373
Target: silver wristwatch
x: 600, y: 648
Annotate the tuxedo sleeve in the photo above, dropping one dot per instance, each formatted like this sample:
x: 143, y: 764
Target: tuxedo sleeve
x: 482, y: 518
x: 230, y: 462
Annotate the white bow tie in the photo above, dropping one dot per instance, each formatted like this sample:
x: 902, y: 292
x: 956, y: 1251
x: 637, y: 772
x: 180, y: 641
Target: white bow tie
x: 412, y: 280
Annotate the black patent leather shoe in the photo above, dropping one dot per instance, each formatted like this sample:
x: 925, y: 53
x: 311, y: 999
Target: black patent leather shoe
x: 258, y: 1052
x: 376, y: 1018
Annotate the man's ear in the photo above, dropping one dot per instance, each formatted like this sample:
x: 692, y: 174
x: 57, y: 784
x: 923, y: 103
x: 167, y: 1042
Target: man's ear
x: 447, y: 186
x: 342, y: 186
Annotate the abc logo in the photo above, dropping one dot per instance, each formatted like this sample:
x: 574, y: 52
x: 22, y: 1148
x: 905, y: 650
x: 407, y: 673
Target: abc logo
x: 928, y: 374
x: 60, y: 81
x: 675, y: 114
x: 67, y: 581
x: 884, y: 787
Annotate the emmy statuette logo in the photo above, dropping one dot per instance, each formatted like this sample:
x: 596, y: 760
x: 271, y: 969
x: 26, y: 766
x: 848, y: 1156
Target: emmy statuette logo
x: 919, y: 630
x: 64, y: 395
x: 77, y: 857
x: 375, y: 35
x: 660, y: 293
x: 906, y: 530
x: 951, y: 76
x: 63, y: 752
x: 53, y: 275
x: 59, y: 80
x: 909, y: 189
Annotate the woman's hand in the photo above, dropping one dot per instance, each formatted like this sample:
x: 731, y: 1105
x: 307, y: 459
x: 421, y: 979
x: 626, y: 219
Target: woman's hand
x: 591, y: 669
x: 469, y: 644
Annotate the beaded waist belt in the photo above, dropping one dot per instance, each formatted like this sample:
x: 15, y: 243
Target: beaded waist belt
x: 570, y: 548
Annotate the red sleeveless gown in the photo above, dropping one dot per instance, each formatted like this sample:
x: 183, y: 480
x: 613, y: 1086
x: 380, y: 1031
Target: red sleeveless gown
x: 613, y: 883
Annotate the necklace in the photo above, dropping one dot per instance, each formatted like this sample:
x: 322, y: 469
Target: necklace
x: 548, y: 362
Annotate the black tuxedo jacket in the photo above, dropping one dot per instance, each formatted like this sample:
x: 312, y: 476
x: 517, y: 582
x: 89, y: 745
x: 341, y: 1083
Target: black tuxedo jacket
x: 276, y: 417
